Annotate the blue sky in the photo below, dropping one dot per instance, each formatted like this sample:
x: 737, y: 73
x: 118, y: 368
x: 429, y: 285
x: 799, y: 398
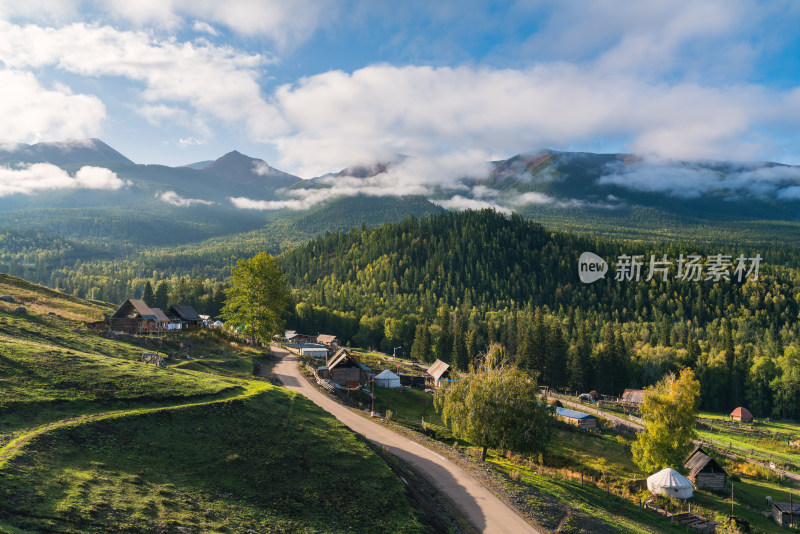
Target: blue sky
x: 313, y: 87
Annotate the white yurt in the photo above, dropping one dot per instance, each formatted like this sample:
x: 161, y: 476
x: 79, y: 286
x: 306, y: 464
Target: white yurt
x: 387, y: 379
x: 670, y: 483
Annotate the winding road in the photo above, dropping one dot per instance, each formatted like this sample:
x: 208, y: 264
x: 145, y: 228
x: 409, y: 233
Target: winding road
x: 478, y: 505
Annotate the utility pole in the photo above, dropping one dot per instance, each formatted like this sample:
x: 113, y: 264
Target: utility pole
x: 372, y: 412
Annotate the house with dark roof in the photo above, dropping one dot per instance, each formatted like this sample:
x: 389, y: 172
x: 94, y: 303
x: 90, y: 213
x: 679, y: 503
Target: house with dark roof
x: 579, y: 419
x: 187, y: 316
x: 344, y: 369
x: 785, y: 514
x: 704, y: 471
x: 135, y: 317
x: 438, y: 372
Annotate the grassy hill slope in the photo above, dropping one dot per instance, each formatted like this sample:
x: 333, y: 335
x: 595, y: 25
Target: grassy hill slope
x: 93, y: 441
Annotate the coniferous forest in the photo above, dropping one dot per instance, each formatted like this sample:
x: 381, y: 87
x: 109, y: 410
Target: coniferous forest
x: 448, y: 285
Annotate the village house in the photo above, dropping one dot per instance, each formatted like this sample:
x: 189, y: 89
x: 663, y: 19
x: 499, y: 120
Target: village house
x: 742, y: 415
x: 188, y: 318
x: 328, y: 340
x: 345, y: 370
x: 704, y: 471
x: 135, y: 317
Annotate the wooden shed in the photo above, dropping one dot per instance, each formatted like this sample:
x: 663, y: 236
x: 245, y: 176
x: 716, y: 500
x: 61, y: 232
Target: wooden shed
x: 346, y: 371
x: 438, y: 372
x: 704, y: 471
x: 742, y: 415
x: 786, y: 514
x: 579, y: 419
x: 134, y: 317
x: 633, y: 398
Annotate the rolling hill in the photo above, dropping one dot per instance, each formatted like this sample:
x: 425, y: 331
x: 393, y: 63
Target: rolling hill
x: 91, y: 440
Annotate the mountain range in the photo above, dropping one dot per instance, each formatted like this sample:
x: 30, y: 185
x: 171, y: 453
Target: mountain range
x: 46, y: 188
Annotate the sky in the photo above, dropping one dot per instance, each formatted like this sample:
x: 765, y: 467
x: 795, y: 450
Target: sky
x: 315, y: 86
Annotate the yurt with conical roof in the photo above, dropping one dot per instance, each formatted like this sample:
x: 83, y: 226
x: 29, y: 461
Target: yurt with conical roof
x: 670, y: 483
x: 387, y: 379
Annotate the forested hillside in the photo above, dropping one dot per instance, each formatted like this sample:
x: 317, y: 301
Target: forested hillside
x: 447, y: 285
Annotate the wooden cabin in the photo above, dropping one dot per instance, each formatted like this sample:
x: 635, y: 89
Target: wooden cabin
x: 187, y: 316
x: 327, y: 340
x: 786, y: 514
x: 346, y: 371
x: 704, y: 471
x: 135, y: 317
x: 580, y: 419
x: 632, y: 398
x: 438, y: 372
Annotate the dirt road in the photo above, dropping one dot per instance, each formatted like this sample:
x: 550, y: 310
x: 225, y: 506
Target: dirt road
x: 486, y: 512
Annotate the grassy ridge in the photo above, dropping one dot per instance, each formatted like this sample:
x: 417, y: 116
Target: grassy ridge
x: 269, y: 463
x: 91, y: 441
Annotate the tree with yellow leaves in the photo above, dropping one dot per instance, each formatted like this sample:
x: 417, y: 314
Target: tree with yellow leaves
x: 669, y: 413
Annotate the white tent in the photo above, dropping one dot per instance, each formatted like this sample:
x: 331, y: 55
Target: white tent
x: 387, y: 379
x: 670, y: 483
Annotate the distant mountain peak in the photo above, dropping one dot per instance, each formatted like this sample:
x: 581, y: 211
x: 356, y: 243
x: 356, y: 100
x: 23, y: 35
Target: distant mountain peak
x: 242, y: 169
x: 69, y: 152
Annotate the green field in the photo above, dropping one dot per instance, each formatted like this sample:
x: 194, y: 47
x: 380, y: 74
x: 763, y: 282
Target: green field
x: 92, y: 440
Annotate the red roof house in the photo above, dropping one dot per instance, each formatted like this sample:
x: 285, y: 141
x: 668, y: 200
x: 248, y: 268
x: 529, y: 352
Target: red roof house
x: 742, y: 415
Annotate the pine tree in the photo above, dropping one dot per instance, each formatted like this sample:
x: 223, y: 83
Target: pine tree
x: 148, y: 296
x: 557, y: 356
x: 421, y: 349
x: 444, y: 343
x: 161, y: 296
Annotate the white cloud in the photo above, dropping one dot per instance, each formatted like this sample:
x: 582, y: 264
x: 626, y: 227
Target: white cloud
x: 458, y: 202
x: 265, y: 205
x: 338, y: 118
x: 217, y: 81
x: 171, y: 197
x: 30, y: 179
x: 204, y: 27
x: 693, y: 181
x: 285, y: 23
x: 31, y: 112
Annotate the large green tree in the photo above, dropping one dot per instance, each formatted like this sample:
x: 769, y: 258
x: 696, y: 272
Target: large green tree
x: 669, y: 413
x: 496, y: 406
x: 257, y: 299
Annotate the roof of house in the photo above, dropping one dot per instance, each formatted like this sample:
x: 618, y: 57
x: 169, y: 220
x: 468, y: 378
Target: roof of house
x: 325, y: 338
x: 187, y: 313
x: 742, y: 412
x: 784, y: 507
x: 161, y: 317
x: 438, y: 369
x: 131, y: 305
x: 345, y: 359
x: 635, y: 396
x: 573, y: 414
x: 699, y: 461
